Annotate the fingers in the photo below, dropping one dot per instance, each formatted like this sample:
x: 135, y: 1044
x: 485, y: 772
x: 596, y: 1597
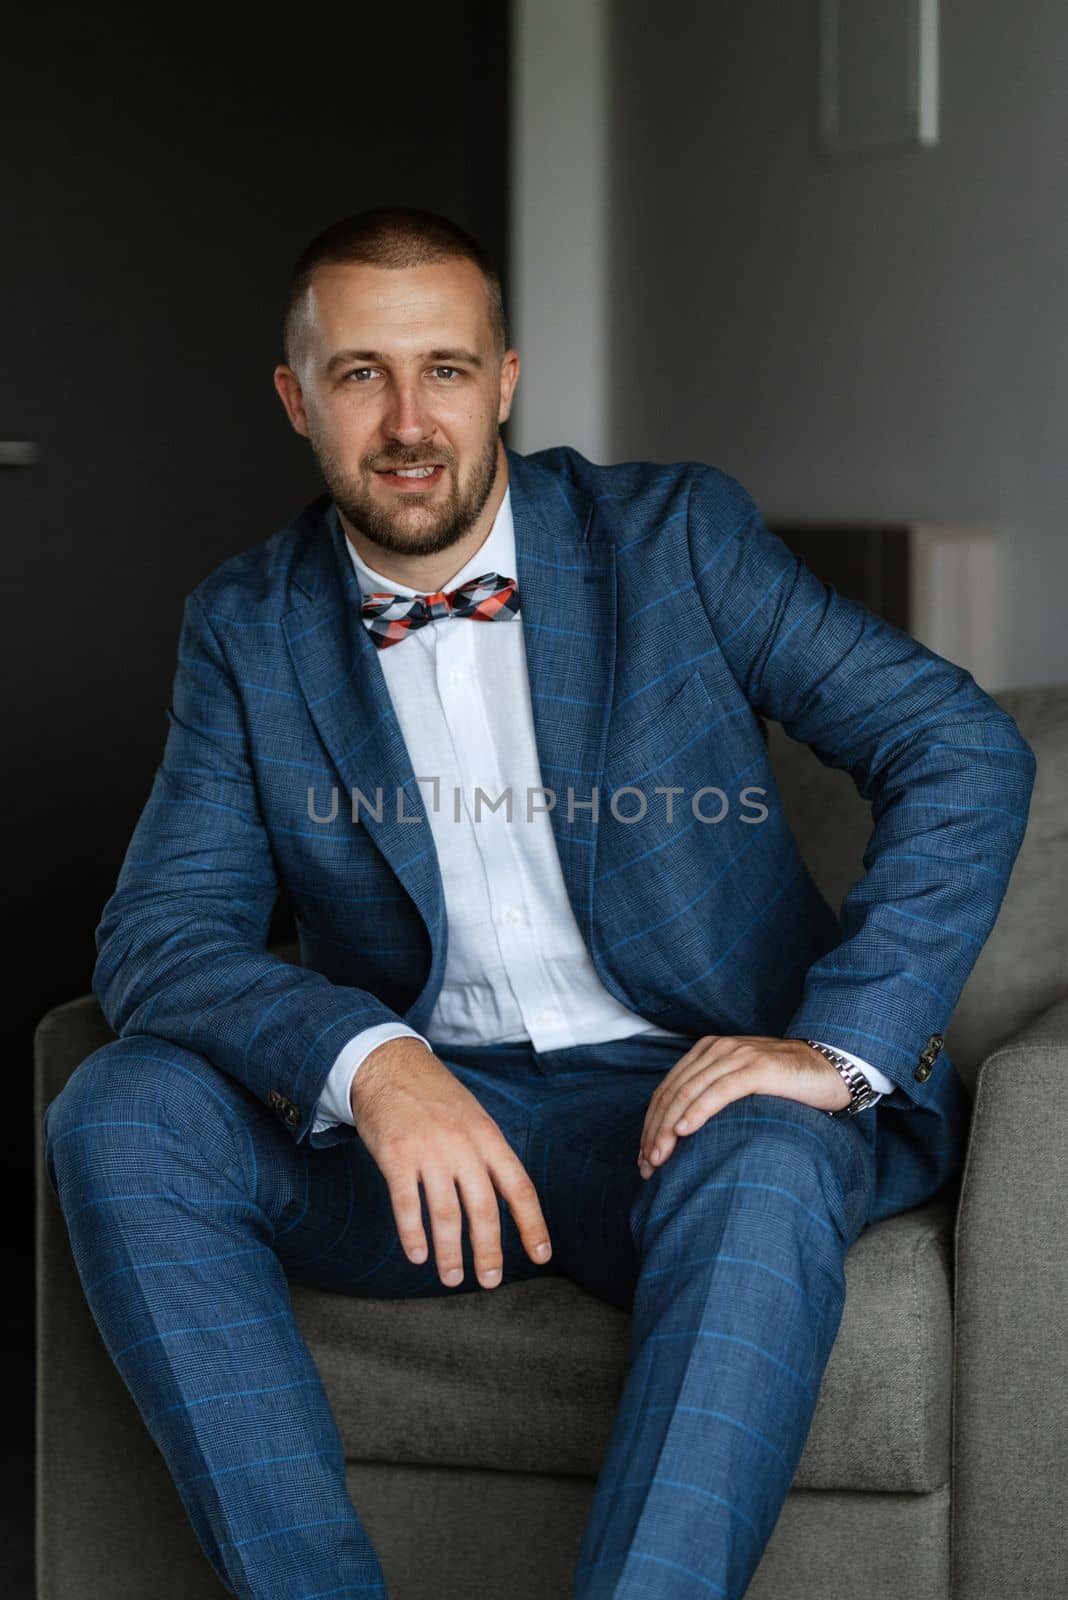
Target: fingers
x: 467, y: 1188
x: 725, y: 1088
x: 407, y: 1212
x: 516, y: 1186
x: 704, y: 1093
x: 726, y: 1069
x: 675, y: 1090
x: 443, y: 1206
x: 424, y: 1128
x: 674, y: 1094
x: 484, y: 1225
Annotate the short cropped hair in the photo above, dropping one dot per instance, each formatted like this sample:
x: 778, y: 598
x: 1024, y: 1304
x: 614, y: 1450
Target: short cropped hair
x: 389, y: 236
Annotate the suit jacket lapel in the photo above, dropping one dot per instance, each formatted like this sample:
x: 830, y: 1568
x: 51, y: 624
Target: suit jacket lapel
x: 567, y: 596
x: 338, y: 667
x: 568, y: 607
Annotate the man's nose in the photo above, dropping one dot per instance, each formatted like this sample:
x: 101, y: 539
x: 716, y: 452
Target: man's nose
x: 407, y: 414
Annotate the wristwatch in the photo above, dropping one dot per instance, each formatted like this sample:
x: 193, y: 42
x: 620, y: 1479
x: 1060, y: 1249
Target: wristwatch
x: 861, y: 1093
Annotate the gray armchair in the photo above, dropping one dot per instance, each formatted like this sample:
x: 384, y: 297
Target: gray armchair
x: 937, y: 1463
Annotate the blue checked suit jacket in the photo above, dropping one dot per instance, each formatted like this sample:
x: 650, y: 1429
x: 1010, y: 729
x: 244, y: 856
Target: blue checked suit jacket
x: 663, y: 624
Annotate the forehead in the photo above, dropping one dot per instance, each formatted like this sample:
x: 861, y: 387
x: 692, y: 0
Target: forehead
x: 402, y: 307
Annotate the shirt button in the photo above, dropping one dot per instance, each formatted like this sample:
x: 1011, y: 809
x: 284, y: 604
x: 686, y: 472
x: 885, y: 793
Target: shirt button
x: 512, y: 914
x: 543, y: 1018
x: 457, y: 674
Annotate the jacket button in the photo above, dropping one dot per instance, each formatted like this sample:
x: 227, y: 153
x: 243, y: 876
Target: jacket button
x: 283, y: 1108
x: 923, y: 1071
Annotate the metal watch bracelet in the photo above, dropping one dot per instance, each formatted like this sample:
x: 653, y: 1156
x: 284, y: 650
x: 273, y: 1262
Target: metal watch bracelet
x: 861, y: 1093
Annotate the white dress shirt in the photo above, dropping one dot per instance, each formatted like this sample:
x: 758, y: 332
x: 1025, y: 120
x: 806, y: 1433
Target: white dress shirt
x: 516, y: 965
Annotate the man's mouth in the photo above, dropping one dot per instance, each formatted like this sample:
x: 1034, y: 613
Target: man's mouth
x: 420, y: 477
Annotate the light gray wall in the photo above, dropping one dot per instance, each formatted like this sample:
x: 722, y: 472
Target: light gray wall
x: 558, y: 195
x: 881, y: 335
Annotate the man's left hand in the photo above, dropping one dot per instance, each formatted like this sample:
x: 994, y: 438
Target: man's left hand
x: 721, y: 1068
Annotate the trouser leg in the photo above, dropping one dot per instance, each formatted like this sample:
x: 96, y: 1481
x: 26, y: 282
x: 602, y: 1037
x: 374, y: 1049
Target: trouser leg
x: 741, y: 1238
x: 188, y: 1206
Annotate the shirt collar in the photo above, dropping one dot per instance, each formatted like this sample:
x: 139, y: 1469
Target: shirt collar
x: 495, y: 554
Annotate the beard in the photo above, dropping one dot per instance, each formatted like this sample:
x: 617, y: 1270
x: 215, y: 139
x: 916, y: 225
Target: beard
x: 440, y: 524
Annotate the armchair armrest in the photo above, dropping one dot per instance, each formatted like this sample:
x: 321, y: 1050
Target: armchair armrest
x: 1010, y: 1436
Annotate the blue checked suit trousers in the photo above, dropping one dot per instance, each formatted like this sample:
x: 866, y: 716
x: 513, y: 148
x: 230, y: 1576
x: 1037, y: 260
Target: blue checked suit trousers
x: 189, y: 1210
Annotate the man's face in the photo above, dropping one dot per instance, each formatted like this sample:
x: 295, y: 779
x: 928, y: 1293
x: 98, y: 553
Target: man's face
x: 397, y: 369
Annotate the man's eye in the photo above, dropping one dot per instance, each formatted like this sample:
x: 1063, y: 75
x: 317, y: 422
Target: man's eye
x: 358, y: 372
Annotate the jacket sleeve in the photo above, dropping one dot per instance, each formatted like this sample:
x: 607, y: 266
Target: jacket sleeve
x: 182, y: 942
x: 947, y: 772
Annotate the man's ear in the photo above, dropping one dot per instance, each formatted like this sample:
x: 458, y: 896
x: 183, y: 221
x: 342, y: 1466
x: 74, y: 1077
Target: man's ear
x: 509, y: 379
x: 292, y: 397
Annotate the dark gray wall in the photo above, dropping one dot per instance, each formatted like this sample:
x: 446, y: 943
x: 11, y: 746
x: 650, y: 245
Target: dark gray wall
x: 880, y: 336
x: 162, y: 171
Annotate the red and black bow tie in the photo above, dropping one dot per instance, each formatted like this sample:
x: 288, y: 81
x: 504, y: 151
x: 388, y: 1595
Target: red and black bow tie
x: 490, y: 598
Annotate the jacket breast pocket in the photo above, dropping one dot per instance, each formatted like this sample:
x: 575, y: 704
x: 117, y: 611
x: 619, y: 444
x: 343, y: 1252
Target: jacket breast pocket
x: 667, y: 730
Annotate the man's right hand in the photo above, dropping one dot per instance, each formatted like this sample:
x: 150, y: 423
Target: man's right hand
x: 422, y: 1125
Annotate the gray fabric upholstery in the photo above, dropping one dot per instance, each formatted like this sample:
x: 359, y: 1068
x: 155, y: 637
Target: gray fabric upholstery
x: 527, y: 1379
x: 515, y: 1538
x: 474, y: 1426
x: 1011, y: 1441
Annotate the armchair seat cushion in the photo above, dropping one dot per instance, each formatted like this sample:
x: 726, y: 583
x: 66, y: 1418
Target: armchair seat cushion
x: 526, y: 1378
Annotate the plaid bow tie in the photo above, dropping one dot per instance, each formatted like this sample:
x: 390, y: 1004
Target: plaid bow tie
x: 489, y: 598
